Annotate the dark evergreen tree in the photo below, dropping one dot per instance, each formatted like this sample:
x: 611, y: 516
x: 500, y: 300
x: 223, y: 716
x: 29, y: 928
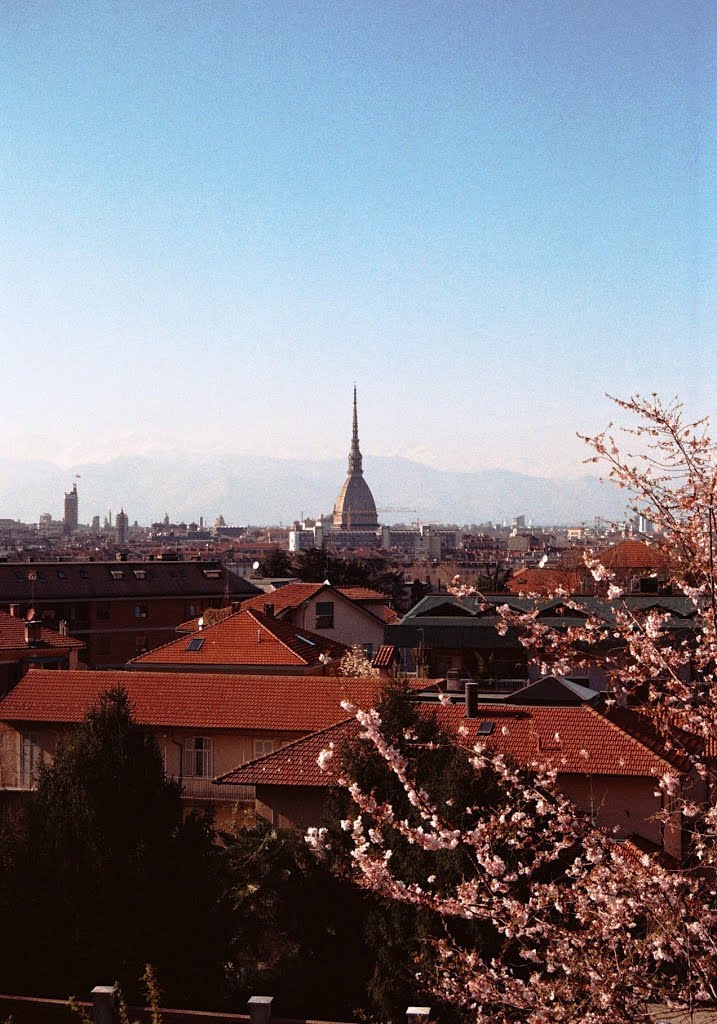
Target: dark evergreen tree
x: 298, y: 929
x: 107, y: 875
x: 276, y: 564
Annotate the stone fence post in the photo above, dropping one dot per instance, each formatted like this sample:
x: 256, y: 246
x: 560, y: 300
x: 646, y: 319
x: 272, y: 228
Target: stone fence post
x: 103, y: 1001
x: 418, y: 1014
x: 260, y: 1009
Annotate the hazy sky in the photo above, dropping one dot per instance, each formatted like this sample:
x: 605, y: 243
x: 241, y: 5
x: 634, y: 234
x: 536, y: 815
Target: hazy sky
x: 216, y: 216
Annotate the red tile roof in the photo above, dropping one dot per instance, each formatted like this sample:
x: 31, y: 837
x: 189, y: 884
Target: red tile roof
x: 295, y: 764
x: 293, y: 595
x: 191, y: 700
x: 633, y: 554
x: 385, y: 656
x: 544, y: 581
x: 363, y: 594
x: 576, y: 740
x: 12, y: 636
x: 248, y: 637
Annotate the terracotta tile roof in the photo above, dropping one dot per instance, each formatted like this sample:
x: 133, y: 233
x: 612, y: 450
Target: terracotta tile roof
x: 191, y: 700
x: 363, y: 594
x: 385, y: 656
x: 293, y: 595
x: 575, y: 740
x: 296, y: 764
x: 633, y: 554
x: 544, y: 581
x: 12, y: 636
x: 248, y: 637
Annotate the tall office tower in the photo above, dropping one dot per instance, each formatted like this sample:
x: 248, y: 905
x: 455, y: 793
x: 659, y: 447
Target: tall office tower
x: 70, y: 520
x: 121, y: 527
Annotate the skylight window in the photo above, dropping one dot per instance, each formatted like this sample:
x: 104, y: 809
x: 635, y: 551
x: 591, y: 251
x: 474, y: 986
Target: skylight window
x: 195, y: 644
x: 139, y: 573
x: 117, y: 574
x: 311, y: 643
x: 212, y: 574
x: 486, y: 728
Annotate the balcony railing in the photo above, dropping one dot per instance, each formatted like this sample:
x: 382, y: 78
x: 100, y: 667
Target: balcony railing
x: 194, y: 789
x: 204, y: 789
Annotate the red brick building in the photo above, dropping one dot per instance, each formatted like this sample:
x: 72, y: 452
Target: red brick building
x: 117, y: 609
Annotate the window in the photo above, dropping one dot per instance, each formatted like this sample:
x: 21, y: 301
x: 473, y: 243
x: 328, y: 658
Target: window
x: 195, y: 644
x: 192, y: 610
x: 140, y: 611
x: 30, y: 757
x: 198, y: 757
x: 102, y: 645
x: 486, y: 728
x: 140, y: 644
x: 61, y: 574
x: 262, y: 747
x: 139, y: 574
x: 117, y: 574
x: 324, y: 614
x: 368, y: 651
x: 212, y: 574
x: 103, y: 610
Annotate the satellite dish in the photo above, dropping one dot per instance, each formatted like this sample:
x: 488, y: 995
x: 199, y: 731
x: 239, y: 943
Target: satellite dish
x: 543, y: 560
x: 255, y: 565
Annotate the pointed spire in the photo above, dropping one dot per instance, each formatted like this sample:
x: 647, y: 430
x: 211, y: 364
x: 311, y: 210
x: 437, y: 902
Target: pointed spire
x: 355, y: 459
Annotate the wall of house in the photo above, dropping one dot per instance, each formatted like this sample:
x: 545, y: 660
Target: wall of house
x: 351, y: 624
x: 625, y: 802
x: 290, y: 806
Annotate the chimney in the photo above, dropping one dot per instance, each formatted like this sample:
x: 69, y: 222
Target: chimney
x: 33, y: 635
x: 269, y: 610
x: 13, y: 610
x: 471, y: 700
x: 453, y: 681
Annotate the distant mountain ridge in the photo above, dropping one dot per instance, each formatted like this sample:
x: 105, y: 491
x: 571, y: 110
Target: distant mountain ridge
x: 257, y: 489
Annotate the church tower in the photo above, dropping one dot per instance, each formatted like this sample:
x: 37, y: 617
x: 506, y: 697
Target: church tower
x: 355, y: 508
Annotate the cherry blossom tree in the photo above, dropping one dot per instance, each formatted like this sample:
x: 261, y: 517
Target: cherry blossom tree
x: 585, y: 928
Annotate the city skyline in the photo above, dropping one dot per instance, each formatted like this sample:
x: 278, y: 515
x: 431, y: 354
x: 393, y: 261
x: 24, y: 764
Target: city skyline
x: 220, y: 215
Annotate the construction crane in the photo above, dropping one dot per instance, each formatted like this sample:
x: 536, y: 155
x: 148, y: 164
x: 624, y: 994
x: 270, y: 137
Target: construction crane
x: 397, y: 510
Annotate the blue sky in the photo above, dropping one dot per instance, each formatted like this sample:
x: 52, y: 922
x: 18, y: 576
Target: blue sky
x: 217, y: 216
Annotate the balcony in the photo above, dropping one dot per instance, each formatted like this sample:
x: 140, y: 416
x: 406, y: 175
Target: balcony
x: 204, y: 789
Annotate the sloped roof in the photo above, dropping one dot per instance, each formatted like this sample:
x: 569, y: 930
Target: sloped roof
x: 554, y: 690
x: 248, y: 637
x: 295, y: 764
x: 293, y: 595
x: 12, y: 637
x: 191, y: 700
x: 633, y: 554
x: 577, y: 739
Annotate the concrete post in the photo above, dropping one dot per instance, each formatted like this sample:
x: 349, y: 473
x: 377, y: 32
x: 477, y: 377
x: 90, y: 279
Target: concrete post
x: 103, y: 1001
x: 418, y: 1014
x: 260, y: 1009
